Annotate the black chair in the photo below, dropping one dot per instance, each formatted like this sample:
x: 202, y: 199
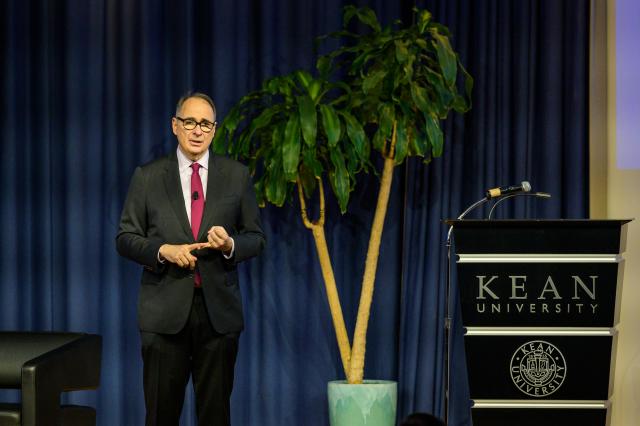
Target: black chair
x: 43, y: 365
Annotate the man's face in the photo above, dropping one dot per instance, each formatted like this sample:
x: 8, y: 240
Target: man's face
x: 194, y: 143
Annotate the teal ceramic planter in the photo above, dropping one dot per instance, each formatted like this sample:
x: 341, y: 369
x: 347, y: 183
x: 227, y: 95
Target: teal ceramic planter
x: 373, y: 403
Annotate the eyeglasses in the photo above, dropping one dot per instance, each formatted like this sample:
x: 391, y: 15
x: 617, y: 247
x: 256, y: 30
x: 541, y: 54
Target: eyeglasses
x: 190, y: 124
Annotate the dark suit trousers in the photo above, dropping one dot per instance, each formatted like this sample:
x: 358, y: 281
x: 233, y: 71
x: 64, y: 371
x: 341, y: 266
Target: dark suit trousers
x: 198, y: 350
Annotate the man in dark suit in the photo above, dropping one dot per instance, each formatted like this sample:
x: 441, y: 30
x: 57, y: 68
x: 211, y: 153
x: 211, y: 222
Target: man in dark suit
x: 189, y: 219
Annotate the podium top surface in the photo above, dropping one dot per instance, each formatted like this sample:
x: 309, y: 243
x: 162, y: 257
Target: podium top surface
x: 558, y: 236
x: 536, y: 222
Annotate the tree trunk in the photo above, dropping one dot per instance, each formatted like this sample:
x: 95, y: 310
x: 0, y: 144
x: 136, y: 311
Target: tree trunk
x: 356, y: 367
x: 317, y: 228
x: 333, y: 298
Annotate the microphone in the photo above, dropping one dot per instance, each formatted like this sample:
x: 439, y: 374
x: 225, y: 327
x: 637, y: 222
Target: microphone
x: 506, y: 190
x: 195, y: 196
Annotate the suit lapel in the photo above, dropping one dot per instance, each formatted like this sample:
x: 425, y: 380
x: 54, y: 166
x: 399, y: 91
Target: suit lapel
x: 214, y: 190
x: 174, y: 192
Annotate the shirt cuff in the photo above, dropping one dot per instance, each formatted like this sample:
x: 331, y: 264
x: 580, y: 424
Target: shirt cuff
x: 160, y: 258
x: 233, y: 248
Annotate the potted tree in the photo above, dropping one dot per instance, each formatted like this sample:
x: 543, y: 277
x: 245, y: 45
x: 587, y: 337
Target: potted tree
x: 383, y: 93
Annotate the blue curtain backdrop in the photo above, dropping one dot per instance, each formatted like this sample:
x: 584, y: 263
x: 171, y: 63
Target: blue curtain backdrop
x: 88, y: 90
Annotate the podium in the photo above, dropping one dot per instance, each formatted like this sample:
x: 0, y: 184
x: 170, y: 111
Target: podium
x: 540, y: 303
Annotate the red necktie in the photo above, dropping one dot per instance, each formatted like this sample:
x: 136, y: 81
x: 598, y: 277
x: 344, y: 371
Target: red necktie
x: 197, y: 207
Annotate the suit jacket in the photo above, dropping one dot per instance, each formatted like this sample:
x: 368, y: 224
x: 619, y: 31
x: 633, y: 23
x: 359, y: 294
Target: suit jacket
x: 154, y: 214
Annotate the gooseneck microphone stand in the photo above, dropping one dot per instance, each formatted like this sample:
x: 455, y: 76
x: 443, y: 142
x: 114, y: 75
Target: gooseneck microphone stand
x: 520, y: 194
x: 448, y: 312
x: 448, y: 299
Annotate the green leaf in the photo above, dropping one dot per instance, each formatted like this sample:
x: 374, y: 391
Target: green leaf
x: 424, y: 17
x: 272, y: 85
x: 441, y: 29
x: 257, y: 157
x: 232, y: 119
x: 379, y: 140
x: 402, y: 145
x: 315, y: 90
x: 311, y: 162
x: 227, y: 129
x: 349, y: 12
x: 275, y: 183
x: 402, y: 53
x: 463, y: 103
x: 373, y: 79
x: 331, y: 124
x: 323, y: 65
x: 339, y: 179
x: 290, y: 147
x: 351, y: 161
x: 419, y: 96
x: 399, y: 78
x: 261, y: 121
x: 407, y: 76
x: 220, y: 140
x: 264, y: 117
x: 468, y: 82
x: 359, y: 62
x: 355, y: 132
x: 445, y: 94
x: 278, y: 85
x: 308, y: 119
x: 460, y: 104
x: 422, y: 43
x: 303, y: 77
x: 387, y: 116
x: 418, y: 144
x: 446, y: 58
x: 259, y: 190
x: 308, y: 180
x: 242, y: 147
x: 434, y: 133
x: 368, y: 17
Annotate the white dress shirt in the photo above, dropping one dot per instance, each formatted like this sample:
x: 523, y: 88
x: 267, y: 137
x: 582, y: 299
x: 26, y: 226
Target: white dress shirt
x: 184, y: 167
x: 185, y: 171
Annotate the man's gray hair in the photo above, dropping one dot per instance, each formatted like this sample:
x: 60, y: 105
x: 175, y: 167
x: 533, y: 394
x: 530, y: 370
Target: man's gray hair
x: 199, y: 95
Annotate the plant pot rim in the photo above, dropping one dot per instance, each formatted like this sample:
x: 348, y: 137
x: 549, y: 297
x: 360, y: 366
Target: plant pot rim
x: 364, y: 382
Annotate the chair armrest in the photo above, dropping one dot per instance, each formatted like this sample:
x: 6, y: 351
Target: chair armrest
x: 73, y: 366
x: 18, y: 347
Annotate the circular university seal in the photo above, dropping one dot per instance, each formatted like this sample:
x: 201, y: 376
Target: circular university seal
x: 538, y: 368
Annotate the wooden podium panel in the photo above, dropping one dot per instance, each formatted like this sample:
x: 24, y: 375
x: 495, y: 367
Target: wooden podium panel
x: 540, y: 236
x: 547, y: 293
x: 520, y: 367
x: 540, y: 301
x: 541, y: 416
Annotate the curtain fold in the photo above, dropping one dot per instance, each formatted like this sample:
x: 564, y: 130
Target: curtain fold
x: 88, y: 90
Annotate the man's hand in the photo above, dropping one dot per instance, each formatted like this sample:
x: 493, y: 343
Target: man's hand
x: 181, y: 254
x: 219, y: 239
